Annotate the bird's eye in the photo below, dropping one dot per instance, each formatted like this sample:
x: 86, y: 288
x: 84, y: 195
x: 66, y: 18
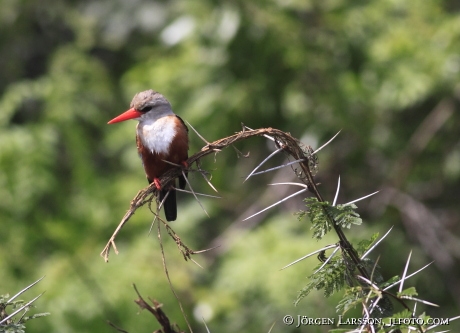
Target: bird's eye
x: 146, y: 108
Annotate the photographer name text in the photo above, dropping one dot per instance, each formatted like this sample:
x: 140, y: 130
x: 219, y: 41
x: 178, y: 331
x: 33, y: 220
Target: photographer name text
x: 305, y: 321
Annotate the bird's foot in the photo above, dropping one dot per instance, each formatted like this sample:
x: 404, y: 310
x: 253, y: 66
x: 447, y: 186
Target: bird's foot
x: 157, y: 183
x: 184, y: 164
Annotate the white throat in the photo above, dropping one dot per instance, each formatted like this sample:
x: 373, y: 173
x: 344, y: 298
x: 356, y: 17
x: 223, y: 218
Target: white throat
x: 156, y: 130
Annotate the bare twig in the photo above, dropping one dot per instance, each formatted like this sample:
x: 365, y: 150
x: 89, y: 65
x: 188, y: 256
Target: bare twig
x: 156, y: 310
x: 165, y: 268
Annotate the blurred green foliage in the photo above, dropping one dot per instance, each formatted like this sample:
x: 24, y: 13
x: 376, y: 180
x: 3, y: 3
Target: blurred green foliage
x: 385, y: 72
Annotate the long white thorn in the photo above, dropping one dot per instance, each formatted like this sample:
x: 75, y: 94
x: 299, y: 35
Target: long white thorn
x: 193, y: 192
x: 367, y: 316
x: 209, y: 182
x: 207, y: 329
x: 328, y: 259
x: 407, y: 277
x: 309, y: 255
x: 290, y: 183
x: 376, y: 243
x: 203, y: 195
x: 25, y: 289
x: 278, y: 167
x: 199, y: 135
x: 436, y: 325
x: 206, y: 250
x: 152, y: 224
x: 265, y: 160
x: 362, y: 198
x: 171, y: 163
x: 317, y: 150
x: 404, y: 273
x: 20, y: 309
x: 336, y: 193
x: 276, y: 203
x: 419, y: 300
x: 273, y: 325
x: 369, y: 282
x: 374, y: 304
x: 196, y: 263
x: 158, y: 213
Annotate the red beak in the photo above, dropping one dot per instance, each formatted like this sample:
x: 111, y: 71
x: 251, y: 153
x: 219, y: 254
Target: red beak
x: 130, y: 114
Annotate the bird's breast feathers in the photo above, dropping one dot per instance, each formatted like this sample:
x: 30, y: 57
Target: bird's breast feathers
x: 157, y: 135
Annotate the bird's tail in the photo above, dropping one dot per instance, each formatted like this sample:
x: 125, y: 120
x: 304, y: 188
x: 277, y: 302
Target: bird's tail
x: 170, y: 205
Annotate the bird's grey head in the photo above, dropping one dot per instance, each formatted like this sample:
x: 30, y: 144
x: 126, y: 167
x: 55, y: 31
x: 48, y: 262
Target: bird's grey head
x: 150, y: 100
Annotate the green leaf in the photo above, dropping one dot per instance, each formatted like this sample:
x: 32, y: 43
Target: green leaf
x: 365, y: 244
x: 321, y: 223
x: 352, y: 297
x: 330, y: 279
x: 408, y: 292
x: 345, y: 215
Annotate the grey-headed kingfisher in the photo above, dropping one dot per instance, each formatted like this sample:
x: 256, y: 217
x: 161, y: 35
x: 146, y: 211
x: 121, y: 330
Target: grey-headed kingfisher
x: 161, y: 136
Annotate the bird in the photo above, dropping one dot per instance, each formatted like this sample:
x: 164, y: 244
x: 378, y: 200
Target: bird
x: 161, y: 137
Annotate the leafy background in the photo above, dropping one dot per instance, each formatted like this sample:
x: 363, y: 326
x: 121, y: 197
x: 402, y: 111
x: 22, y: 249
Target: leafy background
x: 384, y: 72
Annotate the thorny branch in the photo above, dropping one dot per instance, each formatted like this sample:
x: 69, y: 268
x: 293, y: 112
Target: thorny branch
x: 289, y: 144
x: 283, y: 140
x: 157, y: 312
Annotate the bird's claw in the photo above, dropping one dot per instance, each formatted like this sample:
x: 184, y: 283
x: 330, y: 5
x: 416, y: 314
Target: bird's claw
x: 157, y: 183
